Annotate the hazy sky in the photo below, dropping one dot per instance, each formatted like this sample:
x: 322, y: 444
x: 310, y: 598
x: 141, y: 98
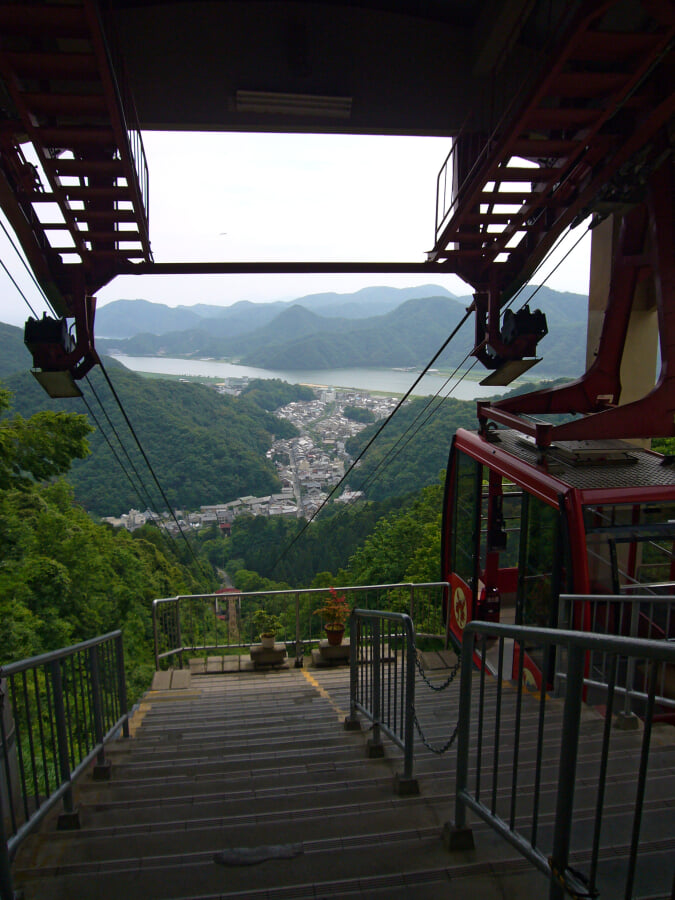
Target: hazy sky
x: 271, y: 197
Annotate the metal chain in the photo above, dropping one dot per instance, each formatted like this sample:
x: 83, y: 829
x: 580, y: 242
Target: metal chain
x: 435, y: 687
x: 448, y: 681
x: 439, y: 751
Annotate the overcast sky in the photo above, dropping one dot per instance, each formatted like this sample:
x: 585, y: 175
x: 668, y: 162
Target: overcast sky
x: 242, y: 197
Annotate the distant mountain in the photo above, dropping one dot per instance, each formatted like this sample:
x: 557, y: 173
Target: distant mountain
x: 407, y: 336
x: 127, y: 318
x: 293, y: 337
x: 369, y: 301
x: 15, y: 356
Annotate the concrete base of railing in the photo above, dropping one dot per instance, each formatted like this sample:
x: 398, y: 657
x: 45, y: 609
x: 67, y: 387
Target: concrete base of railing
x: 406, y: 786
x: 455, y: 839
x: 627, y: 721
x: 374, y: 749
x: 352, y: 723
x: 102, y: 771
x: 69, y: 821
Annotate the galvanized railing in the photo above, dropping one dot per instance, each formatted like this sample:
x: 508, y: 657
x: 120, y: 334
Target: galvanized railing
x: 57, y: 712
x: 645, y: 616
x: 222, y: 623
x: 382, y: 683
x: 496, y: 789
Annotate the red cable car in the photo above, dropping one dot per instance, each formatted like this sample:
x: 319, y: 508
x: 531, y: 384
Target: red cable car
x: 520, y: 529
x: 537, y: 507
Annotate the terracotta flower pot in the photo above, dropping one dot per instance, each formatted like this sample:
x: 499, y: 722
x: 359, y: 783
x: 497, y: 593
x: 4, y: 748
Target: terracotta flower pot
x: 335, y: 633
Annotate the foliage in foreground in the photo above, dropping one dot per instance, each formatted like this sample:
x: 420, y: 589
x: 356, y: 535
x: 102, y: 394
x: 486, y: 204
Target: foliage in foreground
x: 63, y: 578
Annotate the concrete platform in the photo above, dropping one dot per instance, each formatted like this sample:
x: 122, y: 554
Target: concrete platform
x: 331, y: 655
x: 171, y: 680
x: 261, y: 657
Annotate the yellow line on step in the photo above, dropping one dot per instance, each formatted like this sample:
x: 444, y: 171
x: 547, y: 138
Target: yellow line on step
x: 324, y: 693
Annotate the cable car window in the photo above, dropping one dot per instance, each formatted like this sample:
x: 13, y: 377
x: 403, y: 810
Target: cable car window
x: 631, y: 546
x: 467, y: 480
x: 539, y: 584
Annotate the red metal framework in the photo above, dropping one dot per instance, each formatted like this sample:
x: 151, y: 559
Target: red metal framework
x: 645, y: 249
x: 584, y: 140
x: 83, y: 214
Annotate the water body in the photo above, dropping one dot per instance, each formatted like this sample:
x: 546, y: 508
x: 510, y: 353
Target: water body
x: 388, y: 381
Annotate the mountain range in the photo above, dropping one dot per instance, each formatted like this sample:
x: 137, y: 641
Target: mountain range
x: 127, y: 318
x: 378, y: 327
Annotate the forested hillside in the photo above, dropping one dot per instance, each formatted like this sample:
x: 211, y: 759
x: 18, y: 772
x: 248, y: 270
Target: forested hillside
x: 413, y: 448
x: 63, y: 578
x: 204, y: 447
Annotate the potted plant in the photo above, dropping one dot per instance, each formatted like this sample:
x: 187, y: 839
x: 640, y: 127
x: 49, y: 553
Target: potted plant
x: 267, y: 625
x: 335, y: 612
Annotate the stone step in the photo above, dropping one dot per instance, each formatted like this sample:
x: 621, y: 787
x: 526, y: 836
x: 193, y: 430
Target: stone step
x: 262, y: 760
x: 329, y: 861
x: 356, y: 866
x: 234, y: 792
x: 298, y: 803
x: 259, y: 825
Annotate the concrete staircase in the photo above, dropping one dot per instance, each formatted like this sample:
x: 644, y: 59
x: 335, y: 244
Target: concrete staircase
x: 247, y: 785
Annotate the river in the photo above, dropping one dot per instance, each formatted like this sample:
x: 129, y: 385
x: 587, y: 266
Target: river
x: 387, y: 381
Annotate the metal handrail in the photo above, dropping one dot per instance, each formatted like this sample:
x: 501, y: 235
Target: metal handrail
x: 382, y: 681
x: 129, y: 122
x: 560, y: 743
x: 64, y: 706
x: 649, y: 616
x: 171, y: 628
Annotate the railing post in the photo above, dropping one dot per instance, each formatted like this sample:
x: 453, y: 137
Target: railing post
x: 375, y: 747
x: 569, y: 746
x: 627, y: 719
x: 155, y: 632
x: 122, y: 684
x: 458, y: 836
x: 406, y: 784
x: 299, y: 653
x: 6, y: 889
x: 352, y: 722
x: 69, y: 818
x: 179, y: 636
x: 102, y: 768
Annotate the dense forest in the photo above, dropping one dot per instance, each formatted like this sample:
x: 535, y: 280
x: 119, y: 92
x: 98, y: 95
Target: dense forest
x: 64, y: 578
x: 204, y: 447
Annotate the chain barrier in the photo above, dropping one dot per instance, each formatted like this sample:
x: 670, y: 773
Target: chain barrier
x: 439, y: 751
x: 448, y: 681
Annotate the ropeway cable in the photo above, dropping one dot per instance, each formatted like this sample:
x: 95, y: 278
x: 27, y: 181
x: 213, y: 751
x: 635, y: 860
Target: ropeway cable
x: 435, y: 409
x: 149, y: 464
x: 374, y: 437
x: 140, y: 490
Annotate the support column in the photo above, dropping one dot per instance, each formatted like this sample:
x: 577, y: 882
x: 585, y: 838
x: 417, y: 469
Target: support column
x: 639, y: 362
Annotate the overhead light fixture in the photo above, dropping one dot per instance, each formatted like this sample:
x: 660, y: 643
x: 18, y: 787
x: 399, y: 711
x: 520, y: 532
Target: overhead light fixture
x: 293, y: 104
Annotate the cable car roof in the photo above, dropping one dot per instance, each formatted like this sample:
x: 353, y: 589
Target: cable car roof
x: 619, y: 476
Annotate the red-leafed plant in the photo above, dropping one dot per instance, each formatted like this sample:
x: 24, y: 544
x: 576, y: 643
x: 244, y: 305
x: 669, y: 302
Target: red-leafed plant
x: 335, y: 610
